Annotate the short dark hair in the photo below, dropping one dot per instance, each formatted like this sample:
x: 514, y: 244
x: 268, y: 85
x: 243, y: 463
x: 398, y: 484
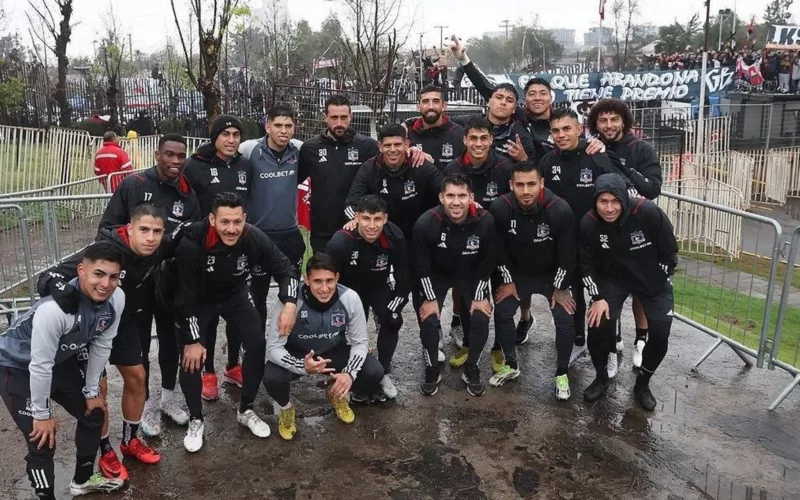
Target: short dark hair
x: 337, y: 100
x: 109, y: 135
x: 227, y: 199
x: 392, y: 130
x: 148, y: 209
x: 281, y: 110
x: 434, y: 88
x: 478, y: 122
x: 323, y: 262
x: 525, y: 167
x: 457, y: 180
x: 538, y: 81
x: 616, y: 106
x: 102, y: 250
x: 563, y: 113
x: 372, y: 204
x: 171, y: 138
x: 505, y: 86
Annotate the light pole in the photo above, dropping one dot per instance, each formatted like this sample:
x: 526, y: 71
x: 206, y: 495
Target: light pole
x: 441, y: 35
x: 703, y: 73
x: 544, y: 52
x: 720, y: 22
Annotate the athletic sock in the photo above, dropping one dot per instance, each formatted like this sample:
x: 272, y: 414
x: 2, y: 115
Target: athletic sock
x: 129, y: 431
x: 561, y: 371
x: 167, y: 395
x: 456, y: 321
x: 105, y: 445
x: 641, y: 334
x: 288, y: 405
x: 84, y: 467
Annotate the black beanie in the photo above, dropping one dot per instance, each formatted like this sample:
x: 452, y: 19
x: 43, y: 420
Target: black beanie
x: 221, y: 123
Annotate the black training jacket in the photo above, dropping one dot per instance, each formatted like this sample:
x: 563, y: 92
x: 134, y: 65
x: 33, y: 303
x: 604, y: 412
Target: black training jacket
x: 637, y: 252
x: 177, y: 199
x: 536, y: 242
x: 365, y: 267
x: 501, y: 134
x: 408, y: 191
x: 444, y: 143
x: 638, y: 161
x: 458, y: 252
x: 210, y: 175
x: 332, y: 165
x: 210, y: 271
x: 489, y: 180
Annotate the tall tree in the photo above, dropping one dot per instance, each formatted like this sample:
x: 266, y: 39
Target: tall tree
x: 110, y: 54
x: 676, y: 37
x: 212, y: 22
x: 55, y: 37
x: 778, y: 12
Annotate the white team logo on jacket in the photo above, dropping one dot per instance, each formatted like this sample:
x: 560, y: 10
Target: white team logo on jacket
x: 338, y: 319
x: 473, y: 242
x: 586, y: 176
x: 385, y: 189
x: 409, y: 187
x: 177, y: 209
x: 215, y: 174
x: 381, y: 262
x: 241, y: 263
x: 604, y: 241
x: 447, y: 150
x: 637, y: 238
x: 542, y: 231
x: 242, y: 177
x: 354, y: 258
x: 491, y: 189
x: 323, y: 155
x: 352, y: 154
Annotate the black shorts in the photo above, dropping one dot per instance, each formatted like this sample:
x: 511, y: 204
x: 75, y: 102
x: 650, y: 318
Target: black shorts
x: 132, y: 342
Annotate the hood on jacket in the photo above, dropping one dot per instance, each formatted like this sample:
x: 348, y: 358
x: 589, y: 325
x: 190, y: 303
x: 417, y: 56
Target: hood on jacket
x: 183, y: 186
x: 207, y: 153
x: 418, y: 124
x: 614, y: 184
x: 469, y: 168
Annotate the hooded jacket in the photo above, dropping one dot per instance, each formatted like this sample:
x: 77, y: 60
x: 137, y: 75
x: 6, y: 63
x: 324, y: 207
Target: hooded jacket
x: 444, y: 143
x: 457, y: 252
x: 210, y: 175
x: 489, y: 180
x: 211, y: 271
x: 540, y: 133
x: 177, y: 199
x: 370, y: 266
x: 332, y: 166
x: 502, y: 134
x: 536, y: 242
x: 638, y: 161
x: 637, y: 252
x: 408, y: 191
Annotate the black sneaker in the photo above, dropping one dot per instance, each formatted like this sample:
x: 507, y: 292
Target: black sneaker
x: 523, y: 328
x: 596, y: 389
x: 431, y: 384
x: 360, y: 398
x: 377, y: 397
x: 472, y: 377
x: 643, y: 395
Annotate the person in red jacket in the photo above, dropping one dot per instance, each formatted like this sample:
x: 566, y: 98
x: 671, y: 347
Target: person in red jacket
x: 111, y: 158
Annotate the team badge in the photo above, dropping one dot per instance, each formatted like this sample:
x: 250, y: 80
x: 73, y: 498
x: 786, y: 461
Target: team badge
x: 103, y: 322
x: 637, y: 238
x: 542, y: 231
x: 177, y: 209
x: 491, y: 189
x: 586, y: 175
x: 242, y: 177
x: 447, y: 150
x: 473, y: 242
x: 352, y: 154
x: 382, y: 261
x: 338, y: 319
x: 241, y: 263
x: 409, y: 187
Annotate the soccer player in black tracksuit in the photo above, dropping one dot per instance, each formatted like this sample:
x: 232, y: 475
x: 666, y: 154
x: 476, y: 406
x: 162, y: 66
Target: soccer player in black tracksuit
x: 218, y: 167
x: 143, y: 247
x: 537, y: 255
x: 214, y: 258
x: 453, y: 245
x: 570, y: 173
x: 433, y: 132
x: 408, y: 191
x: 612, y: 120
x: 373, y: 261
x: 627, y: 247
x: 165, y: 186
x: 332, y: 160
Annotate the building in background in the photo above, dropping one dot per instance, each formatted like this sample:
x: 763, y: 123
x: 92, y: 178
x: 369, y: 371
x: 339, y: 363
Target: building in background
x: 566, y: 38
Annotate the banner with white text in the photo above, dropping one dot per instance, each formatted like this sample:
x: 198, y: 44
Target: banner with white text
x: 783, y: 37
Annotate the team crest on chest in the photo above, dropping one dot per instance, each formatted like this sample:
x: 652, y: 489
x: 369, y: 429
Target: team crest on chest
x: 409, y: 187
x: 637, y: 238
x: 491, y: 189
x: 242, y: 177
x: 447, y: 150
x: 177, y: 209
x: 382, y: 261
x: 473, y: 242
x: 542, y: 231
x: 338, y: 319
x: 586, y: 176
x: 352, y: 154
x: 241, y: 263
x: 103, y: 322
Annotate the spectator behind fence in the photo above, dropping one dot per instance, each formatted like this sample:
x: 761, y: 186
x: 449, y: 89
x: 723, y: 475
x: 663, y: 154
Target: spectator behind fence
x: 111, y: 158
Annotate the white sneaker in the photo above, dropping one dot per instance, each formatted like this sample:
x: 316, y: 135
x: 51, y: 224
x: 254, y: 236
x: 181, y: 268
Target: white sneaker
x: 577, y: 352
x: 637, y: 353
x: 457, y: 334
x: 613, y: 366
x: 174, y: 411
x: 193, y: 440
x: 620, y: 345
x: 442, y: 357
x: 250, y: 420
x: 151, y: 420
x: 388, y: 387
x: 95, y: 484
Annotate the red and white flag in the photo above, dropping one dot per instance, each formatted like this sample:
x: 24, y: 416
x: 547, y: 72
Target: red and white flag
x: 750, y: 28
x: 602, y: 10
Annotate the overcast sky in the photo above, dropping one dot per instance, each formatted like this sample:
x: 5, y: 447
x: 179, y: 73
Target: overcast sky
x: 150, y: 21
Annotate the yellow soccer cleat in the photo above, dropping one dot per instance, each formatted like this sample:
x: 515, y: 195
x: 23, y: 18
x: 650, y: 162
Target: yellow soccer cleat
x: 286, y: 424
x: 342, y: 409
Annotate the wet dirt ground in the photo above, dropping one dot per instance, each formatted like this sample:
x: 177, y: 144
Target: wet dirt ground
x: 710, y: 438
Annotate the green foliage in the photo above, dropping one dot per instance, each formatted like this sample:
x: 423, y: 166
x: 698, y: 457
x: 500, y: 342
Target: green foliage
x: 778, y: 12
x: 170, y: 126
x: 251, y: 129
x: 12, y: 93
x: 676, y: 37
x: 94, y: 129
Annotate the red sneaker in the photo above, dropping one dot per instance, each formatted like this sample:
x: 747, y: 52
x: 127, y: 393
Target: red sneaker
x: 233, y: 376
x: 111, y: 467
x: 140, y: 451
x: 210, y: 390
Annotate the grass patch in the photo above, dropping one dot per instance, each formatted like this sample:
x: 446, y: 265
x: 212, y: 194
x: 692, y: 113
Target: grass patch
x: 736, y: 315
x: 746, y: 263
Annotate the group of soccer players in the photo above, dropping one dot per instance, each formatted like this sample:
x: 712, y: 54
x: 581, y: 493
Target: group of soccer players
x: 491, y: 209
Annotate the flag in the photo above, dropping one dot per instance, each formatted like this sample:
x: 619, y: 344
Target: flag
x: 602, y: 10
x: 750, y: 28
